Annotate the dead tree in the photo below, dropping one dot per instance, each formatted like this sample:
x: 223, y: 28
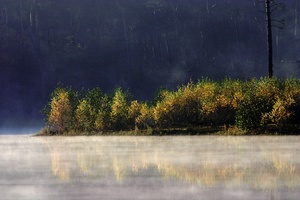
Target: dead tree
x: 270, y: 6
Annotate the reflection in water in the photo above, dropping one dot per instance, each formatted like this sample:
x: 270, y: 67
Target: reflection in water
x: 60, y: 168
x: 231, y: 161
x: 226, y: 167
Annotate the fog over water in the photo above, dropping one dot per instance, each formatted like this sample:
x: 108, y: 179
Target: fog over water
x: 206, y: 167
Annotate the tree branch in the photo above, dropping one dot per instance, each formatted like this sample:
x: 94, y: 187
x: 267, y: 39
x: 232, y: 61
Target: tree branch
x: 282, y: 22
x: 276, y: 26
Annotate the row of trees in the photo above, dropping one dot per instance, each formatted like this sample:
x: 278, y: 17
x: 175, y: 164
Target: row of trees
x: 256, y: 104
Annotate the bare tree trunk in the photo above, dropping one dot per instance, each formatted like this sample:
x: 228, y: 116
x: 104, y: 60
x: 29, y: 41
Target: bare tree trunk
x: 32, y: 15
x: 296, y: 35
x: 296, y: 18
x: 22, y: 25
x: 208, y: 9
x: 4, y: 13
x: 269, y: 37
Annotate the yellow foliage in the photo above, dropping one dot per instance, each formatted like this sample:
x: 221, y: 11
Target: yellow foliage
x: 162, y: 111
x: 119, y: 111
x: 134, y: 109
x: 145, y: 119
x: 141, y: 115
x: 280, y: 112
x: 99, y: 122
x: 207, y: 93
x: 267, y: 88
x: 238, y: 96
x: 119, y: 104
x: 61, y: 111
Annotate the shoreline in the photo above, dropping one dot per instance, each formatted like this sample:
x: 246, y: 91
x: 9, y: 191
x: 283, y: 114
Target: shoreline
x: 198, y: 131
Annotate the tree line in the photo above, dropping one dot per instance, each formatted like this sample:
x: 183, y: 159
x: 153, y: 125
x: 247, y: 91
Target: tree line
x: 254, y: 106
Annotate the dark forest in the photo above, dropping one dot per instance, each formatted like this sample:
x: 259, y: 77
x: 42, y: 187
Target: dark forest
x: 140, y: 45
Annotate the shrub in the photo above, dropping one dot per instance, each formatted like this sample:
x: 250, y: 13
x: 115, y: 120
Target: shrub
x: 207, y: 102
x: 292, y: 92
x: 225, y: 100
x: 249, y: 113
x: 189, y: 105
x: 259, y: 99
x: 178, y: 108
x: 286, y: 108
x: 280, y: 114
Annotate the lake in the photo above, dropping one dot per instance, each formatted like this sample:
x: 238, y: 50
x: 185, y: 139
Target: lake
x: 171, y: 167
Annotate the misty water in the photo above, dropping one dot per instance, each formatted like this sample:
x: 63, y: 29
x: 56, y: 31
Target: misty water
x: 180, y: 167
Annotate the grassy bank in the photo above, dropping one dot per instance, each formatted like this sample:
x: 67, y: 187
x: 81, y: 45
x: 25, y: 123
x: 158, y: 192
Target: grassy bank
x: 229, y: 107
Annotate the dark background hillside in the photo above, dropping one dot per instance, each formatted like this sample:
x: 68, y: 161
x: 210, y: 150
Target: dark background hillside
x: 136, y: 44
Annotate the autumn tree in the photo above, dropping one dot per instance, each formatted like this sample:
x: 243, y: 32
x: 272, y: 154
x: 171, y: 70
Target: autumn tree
x: 119, y: 109
x: 60, y: 110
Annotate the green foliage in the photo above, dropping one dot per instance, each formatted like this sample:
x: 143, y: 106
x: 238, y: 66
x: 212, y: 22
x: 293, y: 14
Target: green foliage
x: 85, y: 116
x: 262, y: 104
x: 88, y: 109
x: 103, y: 119
x: 249, y: 113
x: 292, y: 92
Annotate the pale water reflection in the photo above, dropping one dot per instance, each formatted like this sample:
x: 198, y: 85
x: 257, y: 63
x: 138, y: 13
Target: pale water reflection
x: 204, y: 167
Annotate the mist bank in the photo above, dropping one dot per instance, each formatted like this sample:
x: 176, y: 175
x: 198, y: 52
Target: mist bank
x: 169, y: 168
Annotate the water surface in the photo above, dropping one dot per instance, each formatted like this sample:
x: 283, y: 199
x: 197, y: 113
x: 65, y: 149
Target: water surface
x: 181, y: 167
